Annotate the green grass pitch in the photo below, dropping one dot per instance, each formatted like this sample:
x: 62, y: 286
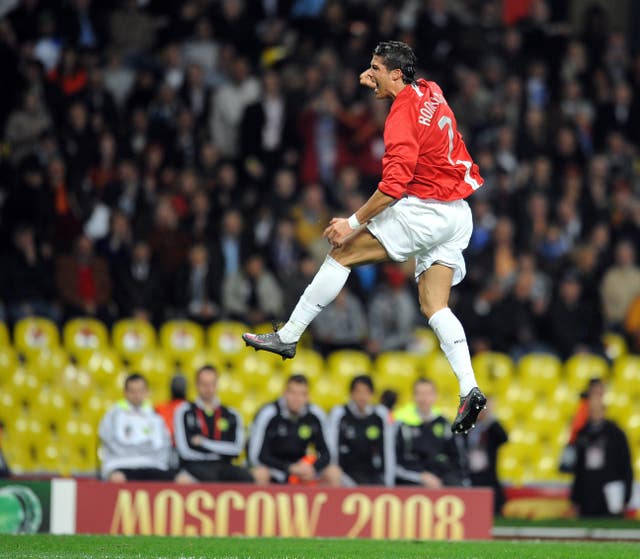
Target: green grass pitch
x: 139, y: 547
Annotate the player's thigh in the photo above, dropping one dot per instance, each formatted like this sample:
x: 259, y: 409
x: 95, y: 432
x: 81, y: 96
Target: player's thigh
x: 233, y: 473
x: 434, y: 288
x: 362, y: 248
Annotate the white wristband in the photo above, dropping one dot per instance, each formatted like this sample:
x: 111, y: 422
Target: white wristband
x: 353, y: 222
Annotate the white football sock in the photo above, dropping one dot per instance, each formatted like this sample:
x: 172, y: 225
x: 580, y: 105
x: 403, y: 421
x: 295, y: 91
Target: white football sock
x: 454, y: 344
x: 324, y: 288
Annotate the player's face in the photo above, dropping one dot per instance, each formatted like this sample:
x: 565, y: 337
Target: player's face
x: 382, y: 77
x: 296, y: 396
x: 207, y: 385
x: 361, y: 395
x: 136, y: 392
x: 424, y: 395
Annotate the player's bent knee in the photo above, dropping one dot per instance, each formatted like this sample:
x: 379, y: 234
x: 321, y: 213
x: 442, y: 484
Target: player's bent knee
x: 429, y: 309
x: 332, y: 475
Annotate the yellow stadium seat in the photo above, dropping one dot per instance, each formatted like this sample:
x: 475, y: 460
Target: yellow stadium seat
x: 77, y: 383
x: 494, y: 371
x: 33, y: 334
x: 8, y: 364
x: 4, y: 335
x: 397, y: 368
x: 24, y: 386
x: 181, y: 339
x: 10, y: 407
x: 83, y: 336
x: 52, y: 407
x: 632, y: 430
x: 326, y: 393
x: 132, y: 338
x: 436, y: 368
x: 619, y: 405
x: 273, y: 389
x: 626, y: 373
x: 231, y: 389
x: 19, y: 457
x: 249, y: 406
x: 225, y: 338
x: 521, y: 399
x: 565, y: 399
x: 104, y: 367
x: 505, y: 414
x: 48, y: 365
x: 255, y: 370
x: 202, y: 358
x: 541, y: 372
x: 614, y: 345
x: 582, y: 367
x: 307, y: 362
x: 92, y: 409
x: 424, y: 341
x: 345, y: 364
x: 546, y: 421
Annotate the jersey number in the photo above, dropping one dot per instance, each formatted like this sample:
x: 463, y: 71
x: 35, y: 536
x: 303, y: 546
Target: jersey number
x: 446, y: 121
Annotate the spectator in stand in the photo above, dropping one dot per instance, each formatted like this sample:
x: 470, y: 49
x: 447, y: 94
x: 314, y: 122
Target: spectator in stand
x: 139, y: 286
x: 603, y: 464
x: 427, y: 453
x: 342, y: 324
x: 26, y: 125
x: 135, y: 441
x: 392, y: 313
x: 209, y: 435
x: 482, y: 445
x: 199, y: 286
x: 28, y: 287
x: 83, y: 282
x: 253, y: 294
x: 620, y: 285
x: 288, y: 440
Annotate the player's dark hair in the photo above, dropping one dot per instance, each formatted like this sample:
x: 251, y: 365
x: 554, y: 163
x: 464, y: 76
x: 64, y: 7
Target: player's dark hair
x: 389, y: 398
x: 423, y: 380
x: 297, y: 379
x: 178, y: 387
x: 397, y: 55
x: 134, y: 377
x: 361, y: 379
x: 208, y: 367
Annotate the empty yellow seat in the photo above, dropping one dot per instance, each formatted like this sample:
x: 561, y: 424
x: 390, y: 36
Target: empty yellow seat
x: 345, y: 364
x: 52, y: 407
x: 225, y: 338
x: 565, y: 399
x: 83, y: 336
x: 10, y: 407
x: 231, y: 389
x: 181, y: 339
x: 521, y: 399
x: 436, y: 368
x: 626, y: 372
x: 4, y: 335
x: 307, y: 362
x: 255, y: 370
x: 632, y: 430
x: 33, y: 334
x: 326, y: 393
x: 8, y: 364
x: 77, y: 383
x: 424, y: 341
x: 24, y: 386
x: 494, y: 371
x: 541, y: 372
x: 396, y: 367
x: 546, y: 421
x: 614, y: 345
x: 104, y: 367
x: 619, y: 405
x: 48, y: 365
x: 582, y: 367
x: 132, y: 338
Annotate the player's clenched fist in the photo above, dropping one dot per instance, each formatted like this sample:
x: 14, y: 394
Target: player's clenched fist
x: 367, y: 80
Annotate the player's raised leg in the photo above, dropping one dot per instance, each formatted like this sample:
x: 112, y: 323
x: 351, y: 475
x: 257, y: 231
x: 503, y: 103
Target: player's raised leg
x: 361, y: 248
x: 434, y: 287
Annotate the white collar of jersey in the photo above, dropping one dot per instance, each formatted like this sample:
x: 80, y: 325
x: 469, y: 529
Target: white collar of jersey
x: 355, y: 410
x: 417, y: 89
x: 201, y: 404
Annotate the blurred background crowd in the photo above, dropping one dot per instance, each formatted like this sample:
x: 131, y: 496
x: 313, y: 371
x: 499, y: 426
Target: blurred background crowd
x: 169, y: 159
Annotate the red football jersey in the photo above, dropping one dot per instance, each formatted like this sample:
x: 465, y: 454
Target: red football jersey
x: 425, y: 155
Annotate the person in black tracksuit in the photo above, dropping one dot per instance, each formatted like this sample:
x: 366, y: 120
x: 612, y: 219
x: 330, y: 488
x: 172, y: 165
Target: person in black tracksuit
x: 426, y: 451
x: 288, y: 442
x: 602, y: 456
x: 361, y: 438
x: 209, y: 435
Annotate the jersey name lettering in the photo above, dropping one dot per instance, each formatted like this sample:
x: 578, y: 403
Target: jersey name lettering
x: 429, y: 107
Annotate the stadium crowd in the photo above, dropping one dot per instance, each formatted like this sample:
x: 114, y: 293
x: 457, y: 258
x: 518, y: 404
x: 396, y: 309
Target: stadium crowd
x: 181, y: 159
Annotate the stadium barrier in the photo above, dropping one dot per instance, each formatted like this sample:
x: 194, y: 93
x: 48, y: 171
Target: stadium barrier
x: 67, y: 506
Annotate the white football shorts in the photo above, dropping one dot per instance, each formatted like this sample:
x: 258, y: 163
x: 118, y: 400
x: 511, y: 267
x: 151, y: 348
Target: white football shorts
x: 429, y: 230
